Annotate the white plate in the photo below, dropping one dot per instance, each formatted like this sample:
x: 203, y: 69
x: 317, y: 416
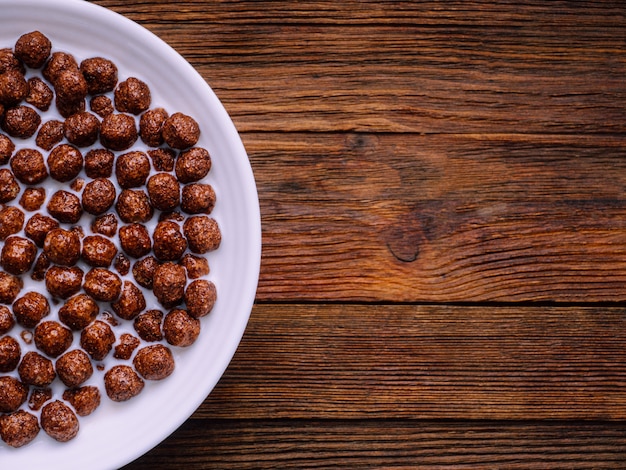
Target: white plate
x: 117, y: 433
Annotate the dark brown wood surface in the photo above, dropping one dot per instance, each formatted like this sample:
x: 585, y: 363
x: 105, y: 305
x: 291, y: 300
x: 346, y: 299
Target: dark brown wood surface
x: 443, y: 200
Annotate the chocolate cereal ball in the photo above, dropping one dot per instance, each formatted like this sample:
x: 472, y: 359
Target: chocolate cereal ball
x: 19, y: 428
x: 169, y: 242
x: 132, y: 96
x: 162, y: 158
x: 62, y: 247
x: 101, y: 105
x: 81, y: 129
x: 131, y: 302
x: 59, y: 421
x: 85, y: 399
x: 57, y: 63
x: 99, y: 163
x: 21, y: 121
x: 154, y: 362
x: 135, y: 240
x: 62, y: 281
x: 196, y: 266
x: 97, y: 340
x: 50, y: 134
x: 18, y: 255
x: 10, y: 287
x: 9, y: 187
x: 11, y: 221
x: 13, y: 88
x: 13, y: 394
x: 33, y: 198
x: 38, y: 397
x: 67, y: 108
x: 40, y: 95
x: 180, y: 329
x: 65, y: 207
x: 38, y: 227
x: 70, y: 86
x: 74, y: 368
x: 169, y: 284
x: 42, y: 263
x: 79, y: 311
x: 100, y: 75
x: 148, y: 325
x: 202, y: 233
x: 133, y: 206
x: 10, y: 353
x: 105, y: 224
x: 30, y: 309
x: 65, y: 162
x: 143, y: 271
x: 198, y: 198
x: 122, y: 383
x: 124, y: 350
x: 132, y: 169
x: 118, y: 131
x: 7, y: 321
x: 98, y: 196
x: 7, y: 147
x: 192, y: 165
x: 122, y: 264
x: 103, y: 285
x: 180, y: 131
x: 200, y: 297
x: 36, y: 370
x: 28, y: 166
x: 98, y: 251
x: 164, y: 191
x: 52, y: 338
x: 150, y: 125
x: 8, y: 61
x: 33, y: 49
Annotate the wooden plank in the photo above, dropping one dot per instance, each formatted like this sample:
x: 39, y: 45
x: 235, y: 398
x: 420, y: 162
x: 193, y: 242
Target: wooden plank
x: 441, y: 218
x: 361, y: 444
x: 426, y: 362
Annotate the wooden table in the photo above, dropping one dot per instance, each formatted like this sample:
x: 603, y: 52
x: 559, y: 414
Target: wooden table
x: 443, y: 198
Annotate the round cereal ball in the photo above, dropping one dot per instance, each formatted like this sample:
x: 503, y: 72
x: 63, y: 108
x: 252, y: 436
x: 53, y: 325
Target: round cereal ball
x: 148, y: 325
x: 85, y: 399
x: 9, y: 187
x: 74, y: 368
x: 38, y: 397
x: 180, y: 329
x: 10, y: 353
x: 98, y: 251
x: 59, y: 422
x: 97, y: 340
x: 101, y: 105
x: 30, y: 309
x: 10, y: 287
x: 180, y: 131
x: 124, y: 350
x: 193, y: 164
x: 135, y: 240
x: 132, y: 96
x: 168, y: 284
x: 62, y: 281
x: 36, y: 370
x: 131, y: 302
x: 18, y: 255
x: 82, y: 129
x: 118, y: 131
x: 7, y: 320
x: 38, y: 227
x: 122, y: 383
x: 52, y: 338
x: 67, y: 108
x: 79, y: 311
x: 198, y: 198
x: 33, y: 198
x: 105, y: 225
x: 98, y: 196
x: 169, y: 242
x: 21, y: 121
x: 100, y: 75
x: 33, y: 49
x: 28, y: 166
x: 70, y: 85
x: 99, y: 163
x: 162, y: 158
x: 65, y: 162
x: 103, y: 285
x: 202, y: 233
x: 200, y: 297
x: 154, y: 362
x: 11, y: 221
x: 133, y: 206
x: 65, y: 207
x: 196, y: 266
x: 57, y: 63
x: 143, y: 271
x: 13, y: 394
x: 8, y: 61
x: 62, y: 247
x: 150, y: 125
x: 132, y: 169
x: 7, y: 147
x: 164, y: 191
x: 50, y: 134
x: 122, y: 264
x: 40, y: 95
x: 13, y: 88
x: 19, y: 428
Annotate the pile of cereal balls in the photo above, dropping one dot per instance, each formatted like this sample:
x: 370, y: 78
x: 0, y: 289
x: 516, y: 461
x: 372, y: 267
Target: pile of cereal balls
x: 104, y: 227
